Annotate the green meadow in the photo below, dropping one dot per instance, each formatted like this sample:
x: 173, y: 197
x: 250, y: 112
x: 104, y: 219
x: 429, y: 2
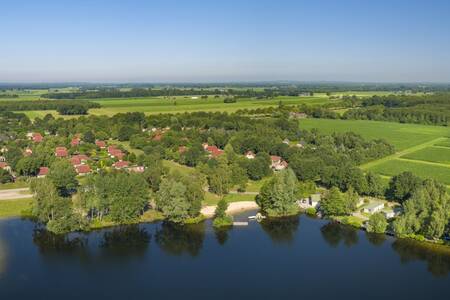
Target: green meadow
x: 402, y: 136
x: 431, y: 154
x: 424, y: 170
x: 416, y: 146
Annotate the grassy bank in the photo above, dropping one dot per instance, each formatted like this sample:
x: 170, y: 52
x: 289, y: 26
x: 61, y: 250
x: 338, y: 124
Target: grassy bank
x: 15, y: 208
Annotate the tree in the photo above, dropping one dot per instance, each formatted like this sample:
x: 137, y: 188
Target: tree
x: 171, y: 200
x: 278, y: 195
x: 375, y: 186
x: 377, y: 223
x: 63, y: 176
x: 239, y: 177
x: 334, y: 203
x: 89, y: 137
x: 402, y: 186
x: 426, y: 212
x: 5, y: 176
x: 128, y: 197
x: 220, y: 214
x: 305, y: 189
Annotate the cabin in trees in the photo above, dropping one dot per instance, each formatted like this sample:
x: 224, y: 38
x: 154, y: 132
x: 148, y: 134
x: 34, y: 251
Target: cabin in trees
x: 115, y: 153
x: 43, y: 171
x: 5, y: 166
x: 121, y: 164
x: 75, y: 141
x: 61, y: 152
x: 83, y: 169
x: 100, y: 144
x: 278, y: 163
x: 250, y: 155
x: 35, y: 137
x: 212, y: 150
x: 297, y: 115
x: 373, y: 207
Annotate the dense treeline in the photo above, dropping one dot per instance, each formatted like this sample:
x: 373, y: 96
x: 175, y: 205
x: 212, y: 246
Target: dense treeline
x: 428, y: 109
x: 63, y: 107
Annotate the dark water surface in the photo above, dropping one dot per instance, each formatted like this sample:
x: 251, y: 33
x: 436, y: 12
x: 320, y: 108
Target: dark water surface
x: 294, y: 258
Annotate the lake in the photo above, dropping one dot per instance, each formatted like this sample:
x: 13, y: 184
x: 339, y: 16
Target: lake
x: 298, y: 257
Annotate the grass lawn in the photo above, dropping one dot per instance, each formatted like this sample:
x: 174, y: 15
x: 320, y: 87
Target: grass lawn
x: 402, y: 136
x: 396, y: 166
x: 213, y: 199
x: 14, y: 185
x: 431, y: 154
x: 445, y: 143
x: 15, y: 208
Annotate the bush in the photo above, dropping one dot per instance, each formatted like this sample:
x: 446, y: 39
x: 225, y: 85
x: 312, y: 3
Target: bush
x: 229, y: 100
x: 377, y: 223
x: 311, y: 211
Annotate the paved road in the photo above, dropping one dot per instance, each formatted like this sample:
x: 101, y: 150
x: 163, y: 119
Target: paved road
x: 15, y: 194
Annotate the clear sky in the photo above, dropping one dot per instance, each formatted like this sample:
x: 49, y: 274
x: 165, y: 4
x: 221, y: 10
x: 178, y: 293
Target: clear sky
x: 226, y: 40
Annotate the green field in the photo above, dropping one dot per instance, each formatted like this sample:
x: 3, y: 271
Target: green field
x: 15, y: 208
x: 415, y: 146
x: 445, y: 143
x: 402, y: 136
x: 396, y: 166
x: 431, y: 154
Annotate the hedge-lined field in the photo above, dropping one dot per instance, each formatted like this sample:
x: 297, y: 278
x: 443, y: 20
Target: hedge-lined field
x: 396, y: 166
x: 402, y: 136
x: 432, y: 154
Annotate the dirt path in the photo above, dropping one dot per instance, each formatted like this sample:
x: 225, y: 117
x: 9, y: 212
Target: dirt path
x: 233, y: 208
x: 15, y: 194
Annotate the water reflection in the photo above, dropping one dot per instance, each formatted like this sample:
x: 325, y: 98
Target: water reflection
x: 333, y: 233
x: 178, y: 239
x: 125, y: 240
x: 376, y: 239
x: 50, y: 243
x: 222, y: 234
x: 437, y: 257
x: 281, y: 230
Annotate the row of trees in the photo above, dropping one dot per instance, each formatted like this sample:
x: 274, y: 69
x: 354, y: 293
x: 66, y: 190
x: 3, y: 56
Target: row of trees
x: 63, y: 107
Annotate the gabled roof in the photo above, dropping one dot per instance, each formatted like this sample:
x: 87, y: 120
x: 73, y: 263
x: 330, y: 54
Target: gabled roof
x: 3, y: 165
x: 100, y: 144
x: 43, y: 171
x: 37, y: 137
x: 121, y: 164
x: 75, y: 141
x: 275, y: 158
x: 83, y: 169
x: 61, y: 152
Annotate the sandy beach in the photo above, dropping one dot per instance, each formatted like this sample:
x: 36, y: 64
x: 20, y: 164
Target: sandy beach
x: 233, y: 208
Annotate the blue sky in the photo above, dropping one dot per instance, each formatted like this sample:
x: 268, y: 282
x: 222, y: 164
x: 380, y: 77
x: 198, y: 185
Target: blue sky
x: 191, y: 41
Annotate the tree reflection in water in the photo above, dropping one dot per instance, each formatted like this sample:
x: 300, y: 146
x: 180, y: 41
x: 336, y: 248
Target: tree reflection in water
x: 222, y: 234
x: 281, y: 230
x: 50, y: 243
x: 126, y: 240
x: 376, y: 239
x: 436, y: 256
x: 333, y: 233
x: 176, y: 239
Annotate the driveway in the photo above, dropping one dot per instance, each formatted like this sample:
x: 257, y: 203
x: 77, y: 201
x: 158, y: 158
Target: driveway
x: 15, y: 194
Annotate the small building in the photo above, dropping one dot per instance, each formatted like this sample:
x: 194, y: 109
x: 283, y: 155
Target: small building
x: 250, y: 155
x: 43, y: 171
x: 36, y: 137
x: 121, y: 164
x: 5, y: 166
x: 2, y: 159
x: 314, y: 200
x: 297, y: 115
x: 28, y: 152
x: 286, y: 141
x: 61, y: 152
x: 373, y: 207
x: 75, y: 141
x: 100, y: 144
x: 214, y: 151
x: 389, y: 214
x: 83, y: 169
x: 278, y: 163
x: 137, y: 169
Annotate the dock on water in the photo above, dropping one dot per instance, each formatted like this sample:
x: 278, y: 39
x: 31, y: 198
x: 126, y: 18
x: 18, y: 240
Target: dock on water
x: 240, y: 223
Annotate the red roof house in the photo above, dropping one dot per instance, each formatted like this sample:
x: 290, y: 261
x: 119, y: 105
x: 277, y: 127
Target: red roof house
x: 182, y: 149
x: 121, y: 164
x: 3, y: 165
x: 37, y: 137
x: 61, y: 152
x: 100, y: 144
x: 214, y: 151
x: 75, y: 142
x: 83, y: 169
x: 43, y: 171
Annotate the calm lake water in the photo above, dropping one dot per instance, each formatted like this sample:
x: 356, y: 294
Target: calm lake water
x: 295, y: 258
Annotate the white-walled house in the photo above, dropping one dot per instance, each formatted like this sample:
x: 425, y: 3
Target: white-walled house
x: 373, y: 207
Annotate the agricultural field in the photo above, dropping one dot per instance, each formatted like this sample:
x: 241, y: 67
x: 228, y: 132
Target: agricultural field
x: 396, y: 166
x: 420, y: 149
x: 402, y: 136
x: 431, y: 154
